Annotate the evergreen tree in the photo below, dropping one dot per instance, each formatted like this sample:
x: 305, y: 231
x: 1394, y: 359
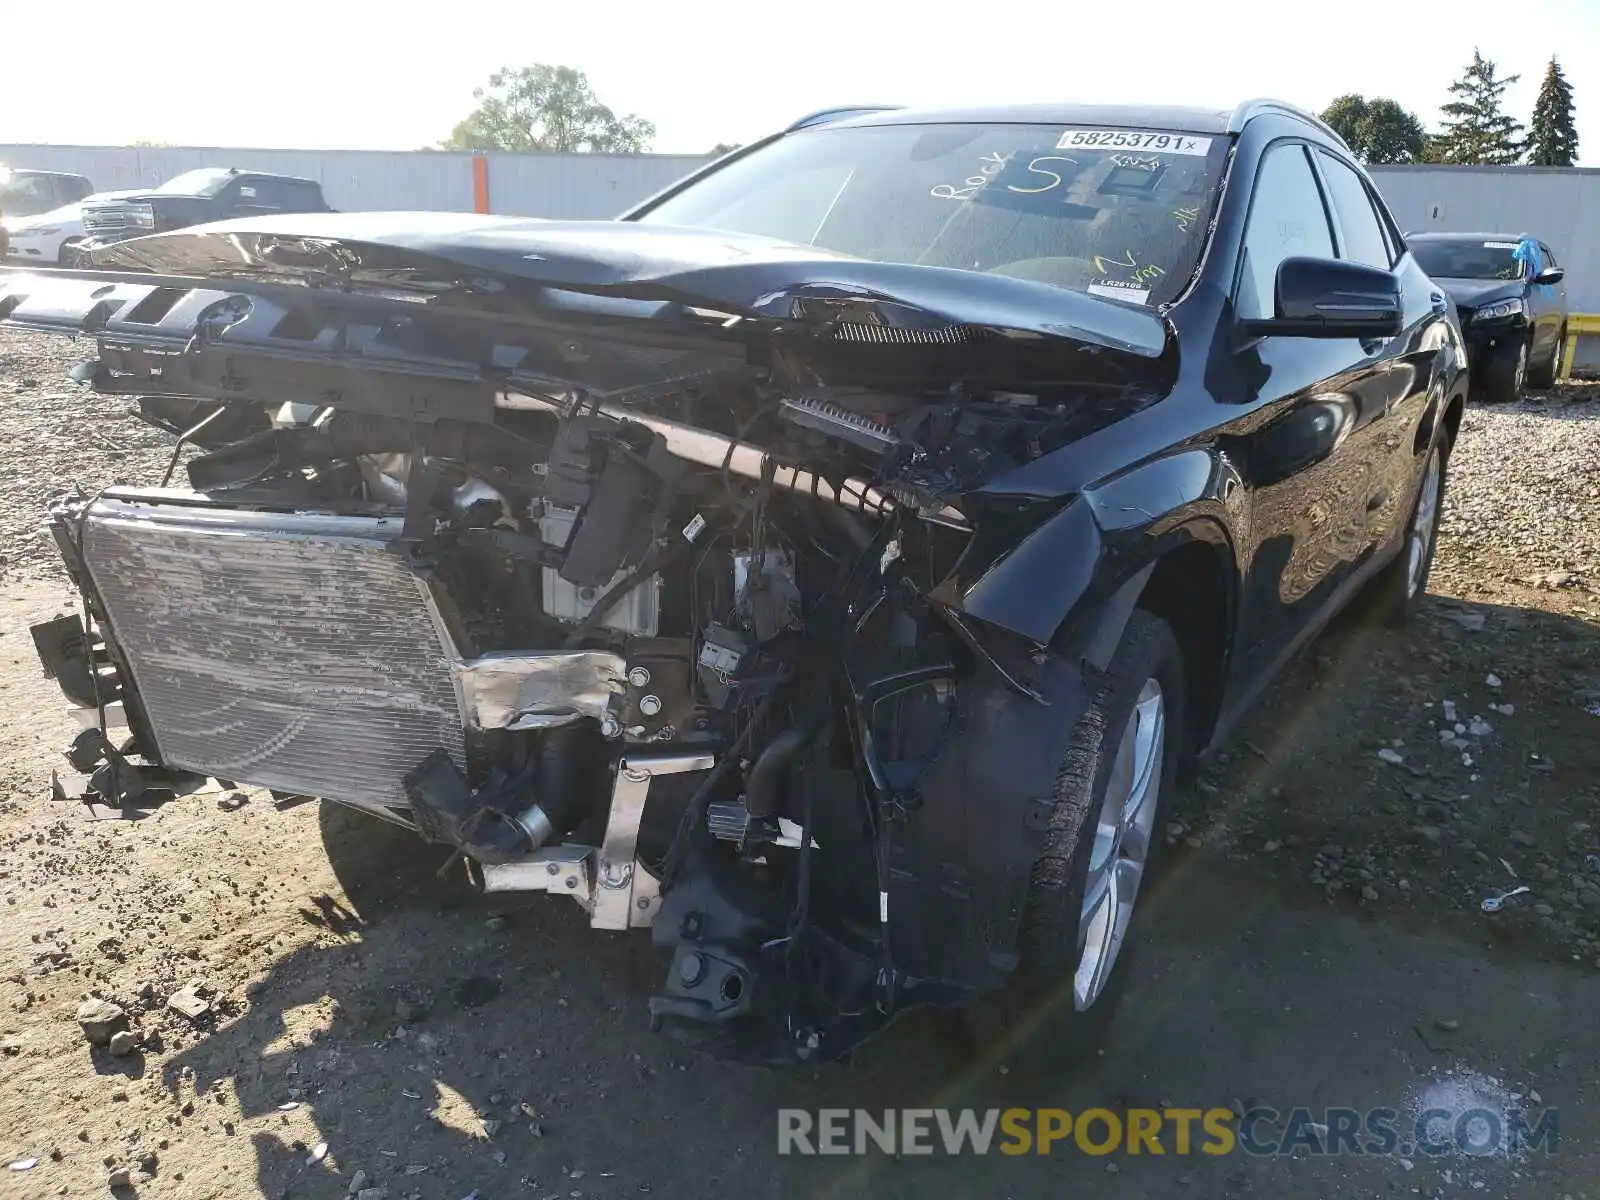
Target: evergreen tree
x: 1476, y: 129
x: 1552, y: 134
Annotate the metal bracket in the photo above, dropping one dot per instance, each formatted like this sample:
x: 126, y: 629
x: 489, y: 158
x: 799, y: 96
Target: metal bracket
x: 625, y: 895
x: 558, y: 870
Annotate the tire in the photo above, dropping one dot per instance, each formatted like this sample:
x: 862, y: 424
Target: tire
x: 1505, y: 374
x: 1542, y: 376
x: 1058, y: 1009
x: 67, y: 255
x: 1396, y: 592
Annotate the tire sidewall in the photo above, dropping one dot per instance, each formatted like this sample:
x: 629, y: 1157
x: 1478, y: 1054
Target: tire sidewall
x: 1038, y: 1012
x: 1401, y: 603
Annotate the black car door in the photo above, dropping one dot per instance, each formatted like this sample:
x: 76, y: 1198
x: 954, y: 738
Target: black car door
x: 1547, y: 303
x: 1310, y: 455
x: 1404, y: 363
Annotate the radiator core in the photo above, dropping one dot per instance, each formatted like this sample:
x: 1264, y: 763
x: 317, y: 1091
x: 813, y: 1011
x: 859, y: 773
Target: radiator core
x: 285, y: 650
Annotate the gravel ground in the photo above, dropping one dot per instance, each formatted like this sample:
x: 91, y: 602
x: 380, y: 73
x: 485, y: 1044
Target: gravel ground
x: 52, y: 446
x: 1321, y: 898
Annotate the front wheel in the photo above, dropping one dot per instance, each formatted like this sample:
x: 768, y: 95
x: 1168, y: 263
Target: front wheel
x: 1542, y: 375
x: 1505, y: 373
x: 1078, y: 921
x: 1397, y: 590
x: 68, y: 255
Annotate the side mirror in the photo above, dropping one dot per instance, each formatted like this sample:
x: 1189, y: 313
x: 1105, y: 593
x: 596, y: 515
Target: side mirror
x: 1330, y: 298
x: 1550, y: 275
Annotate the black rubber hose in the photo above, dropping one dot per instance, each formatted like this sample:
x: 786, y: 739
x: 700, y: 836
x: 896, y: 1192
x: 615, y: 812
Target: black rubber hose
x: 763, y: 785
x: 694, y: 812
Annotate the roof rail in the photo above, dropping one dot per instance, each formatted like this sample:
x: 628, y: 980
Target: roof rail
x: 1260, y: 106
x: 838, y: 113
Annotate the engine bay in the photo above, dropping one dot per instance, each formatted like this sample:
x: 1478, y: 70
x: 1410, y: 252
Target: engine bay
x: 667, y: 620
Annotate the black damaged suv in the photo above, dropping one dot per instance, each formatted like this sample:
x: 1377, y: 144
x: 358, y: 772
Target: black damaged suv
x: 1509, y: 294
x: 829, y: 566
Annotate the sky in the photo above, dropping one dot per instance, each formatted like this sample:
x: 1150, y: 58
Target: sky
x: 360, y: 75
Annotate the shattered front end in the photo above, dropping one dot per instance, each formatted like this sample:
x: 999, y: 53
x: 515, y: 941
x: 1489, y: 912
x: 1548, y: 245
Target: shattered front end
x: 688, y: 609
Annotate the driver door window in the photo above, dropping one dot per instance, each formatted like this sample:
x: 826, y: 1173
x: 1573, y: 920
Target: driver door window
x: 1287, y: 219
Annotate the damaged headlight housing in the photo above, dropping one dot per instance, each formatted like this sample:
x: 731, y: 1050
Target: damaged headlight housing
x: 142, y: 216
x: 1500, y: 309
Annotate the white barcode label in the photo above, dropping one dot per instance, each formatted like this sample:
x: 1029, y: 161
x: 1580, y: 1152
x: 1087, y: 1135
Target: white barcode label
x: 693, y: 528
x: 1132, y: 139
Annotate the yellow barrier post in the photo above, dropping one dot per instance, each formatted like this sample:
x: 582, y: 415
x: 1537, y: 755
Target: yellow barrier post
x: 1578, y: 324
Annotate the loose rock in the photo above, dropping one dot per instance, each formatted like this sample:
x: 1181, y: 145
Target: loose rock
x: 99, y: 1019
x: 187, y: 1001
x: 125, y: 1041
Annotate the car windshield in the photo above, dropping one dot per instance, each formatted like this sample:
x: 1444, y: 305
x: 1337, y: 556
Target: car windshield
x: 1468, y: 258
x: 1119, y: 213
x: 207, y: 181
x: 23, y: 193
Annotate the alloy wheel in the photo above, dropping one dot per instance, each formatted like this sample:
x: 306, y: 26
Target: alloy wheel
x: 1124, y: 829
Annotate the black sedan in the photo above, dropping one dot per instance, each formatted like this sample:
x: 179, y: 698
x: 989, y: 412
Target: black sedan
x: 830, y: 566
x: 1508, y: 291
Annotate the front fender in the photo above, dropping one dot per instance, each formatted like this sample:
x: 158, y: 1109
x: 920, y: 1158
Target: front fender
x: 1049, y: 585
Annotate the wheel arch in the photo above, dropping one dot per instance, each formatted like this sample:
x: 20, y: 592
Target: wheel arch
x: 1189, y: 579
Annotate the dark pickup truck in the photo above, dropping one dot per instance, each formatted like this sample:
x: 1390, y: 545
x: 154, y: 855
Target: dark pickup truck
x: 195, y: 198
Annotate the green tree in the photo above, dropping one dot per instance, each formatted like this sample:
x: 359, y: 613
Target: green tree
x: 1476, y: 128
x: 722, y: 148
x: 546, y: 108
x: 1552, y: 134
x: 1378, y: 130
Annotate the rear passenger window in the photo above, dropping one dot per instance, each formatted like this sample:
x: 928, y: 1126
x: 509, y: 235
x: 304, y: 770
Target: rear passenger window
x: 1287, y: 220
x: 1359, y: 227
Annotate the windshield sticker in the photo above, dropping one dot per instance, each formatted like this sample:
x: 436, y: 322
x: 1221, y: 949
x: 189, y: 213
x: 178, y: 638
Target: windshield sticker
x: 1117, y: 289
x: 1137, y: 162
x: 1127, y: 139
x: 1501, y: 245
x: 1140, y: 276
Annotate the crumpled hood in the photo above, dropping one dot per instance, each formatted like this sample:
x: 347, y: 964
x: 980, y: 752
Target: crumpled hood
x: 472, y: 260
x: 1472, y: 293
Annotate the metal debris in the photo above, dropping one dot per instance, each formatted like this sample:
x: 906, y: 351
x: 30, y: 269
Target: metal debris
x: 1493, y: 904
x: 24, y: 1164
x: 318, y: 1153
x: 1492, y: 679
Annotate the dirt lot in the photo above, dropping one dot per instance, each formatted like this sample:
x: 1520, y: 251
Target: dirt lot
x: 1316, y: 940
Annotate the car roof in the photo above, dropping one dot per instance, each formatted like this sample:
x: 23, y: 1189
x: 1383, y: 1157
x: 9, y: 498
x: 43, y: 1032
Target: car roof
x: 1116, y: 116
x: 1467, y: 235
x: 1146, y: 116
x: 34, y: 171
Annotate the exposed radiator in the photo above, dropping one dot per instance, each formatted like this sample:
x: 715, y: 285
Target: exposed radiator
x: 285, y: 650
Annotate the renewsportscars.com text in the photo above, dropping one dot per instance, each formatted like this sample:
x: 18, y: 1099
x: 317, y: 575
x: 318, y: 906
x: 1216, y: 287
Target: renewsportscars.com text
x: 1175, y: 1131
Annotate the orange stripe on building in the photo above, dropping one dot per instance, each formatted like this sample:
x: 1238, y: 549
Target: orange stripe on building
x: 480, y: 183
